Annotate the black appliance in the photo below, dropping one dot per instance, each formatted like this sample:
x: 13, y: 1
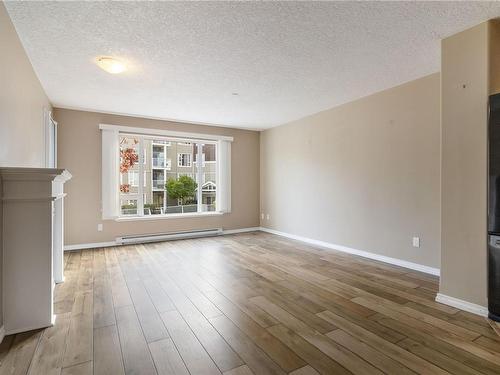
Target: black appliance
x: 494, y: 208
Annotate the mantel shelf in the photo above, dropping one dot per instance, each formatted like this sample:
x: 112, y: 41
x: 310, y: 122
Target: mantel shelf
x: 34, y: 174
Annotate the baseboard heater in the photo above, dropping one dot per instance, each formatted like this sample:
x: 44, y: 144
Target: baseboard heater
x: 143, y: 238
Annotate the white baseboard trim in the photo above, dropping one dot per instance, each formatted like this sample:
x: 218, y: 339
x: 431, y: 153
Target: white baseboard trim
x: 2, y: 333
x: 462, y: 305
x: 241, y: 230
x: 364, y: 254
x: 95, y: 245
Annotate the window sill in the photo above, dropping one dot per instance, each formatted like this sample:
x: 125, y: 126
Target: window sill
x: 169, y: 216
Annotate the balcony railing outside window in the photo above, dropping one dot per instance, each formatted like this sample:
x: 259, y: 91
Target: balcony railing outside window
x: 159, y: 162
x: 159, y: 184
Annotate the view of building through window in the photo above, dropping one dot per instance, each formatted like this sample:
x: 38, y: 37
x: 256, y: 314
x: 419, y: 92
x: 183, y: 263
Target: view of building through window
x: 169, y: 179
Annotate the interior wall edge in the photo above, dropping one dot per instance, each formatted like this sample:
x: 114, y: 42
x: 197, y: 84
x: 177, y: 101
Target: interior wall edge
x: 464, y: 173
x: 23, y: 102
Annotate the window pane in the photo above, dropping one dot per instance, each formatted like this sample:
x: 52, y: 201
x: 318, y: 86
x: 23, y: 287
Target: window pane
x: 154, y: 163
x: 159, y: 157
x: 209, y: 152
x: 180, y: 178
x: 184, y: 160
x: 209, y: 183
x: 128, y: 207
x: 129, y: 166
x: 172, y: 178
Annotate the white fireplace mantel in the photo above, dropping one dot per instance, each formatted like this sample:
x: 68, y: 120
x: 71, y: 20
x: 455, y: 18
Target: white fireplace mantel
x: 32, y: 234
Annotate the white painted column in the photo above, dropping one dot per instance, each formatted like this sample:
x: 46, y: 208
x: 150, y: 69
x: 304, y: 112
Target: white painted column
x: 58, y: 226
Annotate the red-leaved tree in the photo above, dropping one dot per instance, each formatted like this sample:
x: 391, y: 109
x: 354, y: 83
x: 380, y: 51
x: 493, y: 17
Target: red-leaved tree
x: 125, y: 188
x: 128, y: 157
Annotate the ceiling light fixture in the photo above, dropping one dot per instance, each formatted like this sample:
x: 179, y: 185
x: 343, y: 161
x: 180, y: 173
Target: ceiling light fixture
x: 111, y: 65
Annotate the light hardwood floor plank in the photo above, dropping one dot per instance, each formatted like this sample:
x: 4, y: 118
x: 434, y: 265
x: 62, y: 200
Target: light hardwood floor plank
x: 48, y: 357
x: 306, y: 370
x: 411, y: 361
x: 107, y: 352
x: 136, y: 356
x: 84, y: 368
x: 337, y: 352
x: 192, y: 352
x: 254, y: 357
x: 310, y: 353
x: 369, y: 354
x: 21, y: 348
x: 80, y: 335
x: 167, y: 358
x: 104, y: 313
x: 274, y: 348
x: 242, y: 370
x: 449, y: 364
x: 438, y: 345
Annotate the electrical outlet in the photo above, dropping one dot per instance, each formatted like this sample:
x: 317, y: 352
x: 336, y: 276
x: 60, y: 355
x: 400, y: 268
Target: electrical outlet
x: 268, y: 217
x: 416, y: 241
x: 99, y: 227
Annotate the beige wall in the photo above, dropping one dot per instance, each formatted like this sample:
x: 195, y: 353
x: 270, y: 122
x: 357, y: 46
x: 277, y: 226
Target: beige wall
x: 22, y: 103
x: 464, y: 88
x: 363, y: 175
x: 79, y: 151
x: 494, y: 58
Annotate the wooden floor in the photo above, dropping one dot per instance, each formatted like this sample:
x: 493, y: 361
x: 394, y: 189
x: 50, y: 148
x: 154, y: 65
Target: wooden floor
x: 248, y: 304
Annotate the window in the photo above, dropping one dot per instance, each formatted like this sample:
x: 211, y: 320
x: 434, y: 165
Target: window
x: 184, y: 160
x: 207, y: 153
x: 133, y: 178
x: 147, y: 184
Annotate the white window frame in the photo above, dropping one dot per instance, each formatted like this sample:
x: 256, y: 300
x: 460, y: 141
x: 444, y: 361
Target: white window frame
x: 50, y: 133
x: 111, y: 176
x: 189, y: 165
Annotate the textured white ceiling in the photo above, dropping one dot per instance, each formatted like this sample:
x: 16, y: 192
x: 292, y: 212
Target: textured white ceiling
x: 285, y: 59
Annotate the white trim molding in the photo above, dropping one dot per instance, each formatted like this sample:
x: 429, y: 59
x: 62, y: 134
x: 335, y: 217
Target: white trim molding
x: 166, y: 133
x: 362, y: 253
x: 2, y: 333
x: 93, y: 245
x: 462, y: 305
x: 241, y: 230
x: 169, y: 216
